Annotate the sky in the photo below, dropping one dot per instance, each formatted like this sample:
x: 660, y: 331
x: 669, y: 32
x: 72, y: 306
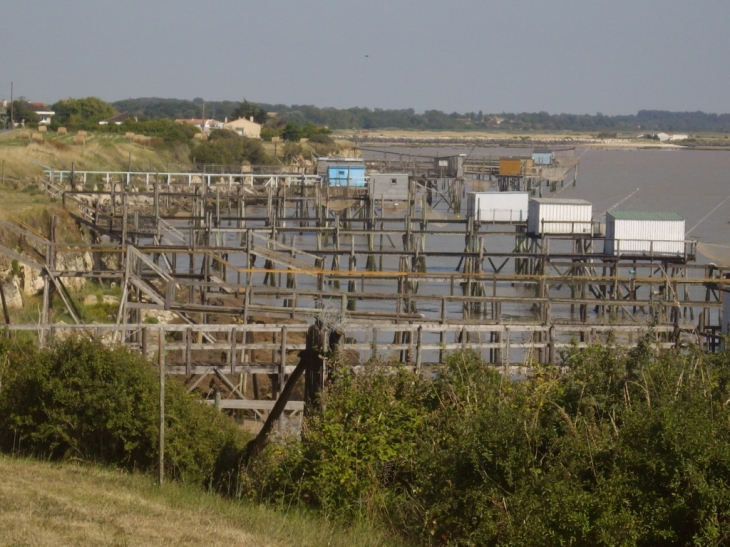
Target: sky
x: 559, y: 56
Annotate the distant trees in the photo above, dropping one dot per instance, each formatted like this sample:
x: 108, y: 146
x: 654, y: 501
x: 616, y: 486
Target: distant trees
x: 250, y: 110
x: 155, y: 108
x: 80, y: 112
x: 366, y: 118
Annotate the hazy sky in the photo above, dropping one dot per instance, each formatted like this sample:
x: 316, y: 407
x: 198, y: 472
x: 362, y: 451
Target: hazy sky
x: 576, y: 56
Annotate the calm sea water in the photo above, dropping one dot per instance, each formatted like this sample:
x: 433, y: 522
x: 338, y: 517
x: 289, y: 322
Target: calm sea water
x: 688, y: 182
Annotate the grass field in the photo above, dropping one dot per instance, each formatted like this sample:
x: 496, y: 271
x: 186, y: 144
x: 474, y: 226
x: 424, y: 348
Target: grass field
x: 47, y: 505
x: 100, y: 151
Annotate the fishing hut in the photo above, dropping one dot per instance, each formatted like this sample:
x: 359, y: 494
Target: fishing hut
x: 513, y: 173
x: 246, y: 264
x: 643, y: 233
x: 390, y: 186
x: 542, y: 156
x: 555, y: 216
x: 509, y: 207
x: 450, y: 167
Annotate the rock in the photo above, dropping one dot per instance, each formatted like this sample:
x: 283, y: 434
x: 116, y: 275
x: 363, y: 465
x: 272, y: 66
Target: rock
x: 163, y: 317
x: 13, y: 295
x: 61, y: 333
x: 32, y: 281
x: 90, y: 300
x: 109, y: 299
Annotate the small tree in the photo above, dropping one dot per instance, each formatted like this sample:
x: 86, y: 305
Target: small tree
x: 75, y: 112
x: 292, y: 132
x: 248, y: 110
x: 23, y: 111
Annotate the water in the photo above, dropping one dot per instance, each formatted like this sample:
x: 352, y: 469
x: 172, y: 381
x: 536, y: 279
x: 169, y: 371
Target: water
x: 688, y: 182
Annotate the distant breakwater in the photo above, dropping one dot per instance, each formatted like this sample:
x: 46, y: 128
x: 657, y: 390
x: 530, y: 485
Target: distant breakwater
x: 510, y: 142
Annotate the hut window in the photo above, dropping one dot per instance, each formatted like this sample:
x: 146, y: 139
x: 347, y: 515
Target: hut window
x: 394, y: 181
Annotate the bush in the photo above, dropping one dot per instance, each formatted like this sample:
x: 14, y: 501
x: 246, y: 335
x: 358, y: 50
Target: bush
x: 229, y: 148
x: 617, y: 448
x: 85, y: 401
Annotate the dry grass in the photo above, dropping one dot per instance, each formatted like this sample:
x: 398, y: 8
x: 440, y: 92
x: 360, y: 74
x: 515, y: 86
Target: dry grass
x: 15, y: 201
x: 46, y: 505
x: 101, y: 151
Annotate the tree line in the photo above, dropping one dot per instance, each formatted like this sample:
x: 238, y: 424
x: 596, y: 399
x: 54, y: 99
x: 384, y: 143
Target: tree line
x: 365, y: 118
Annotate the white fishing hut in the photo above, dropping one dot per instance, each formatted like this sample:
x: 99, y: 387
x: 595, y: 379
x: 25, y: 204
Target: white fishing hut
x: 559, y: 216
x: 497, y: 206
x: 637, y: 233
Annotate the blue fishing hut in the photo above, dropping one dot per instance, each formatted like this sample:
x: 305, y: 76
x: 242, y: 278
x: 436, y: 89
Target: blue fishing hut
x: 351, y: 175
x: 542, y: 156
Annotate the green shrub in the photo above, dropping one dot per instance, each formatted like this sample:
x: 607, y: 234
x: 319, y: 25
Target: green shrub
x: 229, y: 148
x: 615, y: 447
x: 83, y: 400
x: 362, y: 440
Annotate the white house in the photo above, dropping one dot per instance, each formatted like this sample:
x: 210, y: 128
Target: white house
x: 678, y: 137
x: 43, y: 112
x: 662, y: 136
x: 245, y: 127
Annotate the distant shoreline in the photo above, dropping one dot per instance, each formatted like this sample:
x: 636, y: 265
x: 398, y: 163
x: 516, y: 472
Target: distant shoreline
x: 414, y: 139
x: 432, y: 138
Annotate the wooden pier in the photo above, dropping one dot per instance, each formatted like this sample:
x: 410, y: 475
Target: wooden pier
x: 247, y: 263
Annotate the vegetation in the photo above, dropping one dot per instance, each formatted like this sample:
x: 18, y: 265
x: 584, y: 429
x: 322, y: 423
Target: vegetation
x: 82, y: 401
x: 101, y: 150
x: 166, y: 131
x: 47, y: 505
x: 80, y: 113
x: 365, y: 118
x: 229, y: 148
x: 23, y: 113
x: 612, y: 447
x: 621, y: 448
x: 155, y: 108
x: 250, y: 110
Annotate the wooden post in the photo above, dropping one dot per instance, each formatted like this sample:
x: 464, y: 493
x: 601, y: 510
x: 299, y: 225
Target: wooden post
x: 5, y: 306
x: 144, y: 342
x: 188, y: 351
x: 282, y: 366
x: 311, y: 363
x: 234, y: 349
x: 161, y: 365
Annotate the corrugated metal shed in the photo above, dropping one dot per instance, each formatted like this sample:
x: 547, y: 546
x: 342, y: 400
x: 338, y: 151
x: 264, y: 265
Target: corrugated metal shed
x: 559, y: 216
x: 498, y: 206
x: 389, y: 186
x: 641, y: 233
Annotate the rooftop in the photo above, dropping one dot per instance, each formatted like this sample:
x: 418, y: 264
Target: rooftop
x: 643, y: 215
x: 560, y: 201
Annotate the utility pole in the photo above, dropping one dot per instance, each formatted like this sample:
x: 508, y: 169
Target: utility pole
x: 12, y: 118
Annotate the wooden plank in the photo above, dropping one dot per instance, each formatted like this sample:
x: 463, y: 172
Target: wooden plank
x: 253, y: 404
